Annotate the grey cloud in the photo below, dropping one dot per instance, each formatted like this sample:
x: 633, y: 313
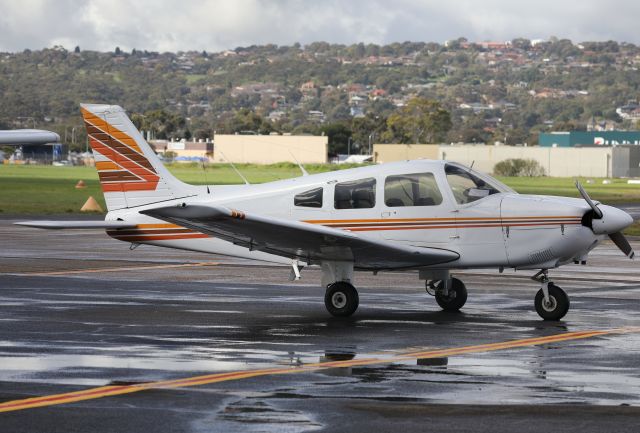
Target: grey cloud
x: 218, y: 24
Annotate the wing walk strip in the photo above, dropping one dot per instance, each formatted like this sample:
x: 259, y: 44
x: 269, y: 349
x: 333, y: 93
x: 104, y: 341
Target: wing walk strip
x: 108, y: 391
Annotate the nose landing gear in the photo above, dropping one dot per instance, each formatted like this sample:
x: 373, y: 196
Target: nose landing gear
x: 551, y: 302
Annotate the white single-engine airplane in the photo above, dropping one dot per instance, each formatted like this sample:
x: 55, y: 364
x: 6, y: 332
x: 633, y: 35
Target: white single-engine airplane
x: 433, y: 216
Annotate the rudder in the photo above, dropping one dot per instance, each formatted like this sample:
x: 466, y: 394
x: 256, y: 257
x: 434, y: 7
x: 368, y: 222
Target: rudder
x: 130, y: 172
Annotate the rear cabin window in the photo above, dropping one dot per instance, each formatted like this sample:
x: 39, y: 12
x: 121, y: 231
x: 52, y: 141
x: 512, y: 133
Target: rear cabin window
x: 311, y: 198
x: 357, y: 194
x: 418, y: 189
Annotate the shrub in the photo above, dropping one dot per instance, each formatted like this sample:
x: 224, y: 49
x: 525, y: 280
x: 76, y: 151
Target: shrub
x: 518, y: 167
x: 170, y: 155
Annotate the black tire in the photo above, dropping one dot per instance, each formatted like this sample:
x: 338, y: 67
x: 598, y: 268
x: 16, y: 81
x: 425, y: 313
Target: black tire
x: 341, y: 299
x: 558, y: 303
x: 456, y: 297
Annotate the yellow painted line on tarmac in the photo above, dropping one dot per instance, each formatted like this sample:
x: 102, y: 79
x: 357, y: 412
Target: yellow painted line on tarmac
x: 108, y: 391
x: 120, y: 268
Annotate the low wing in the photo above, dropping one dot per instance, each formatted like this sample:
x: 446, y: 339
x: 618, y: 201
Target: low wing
x: 299, y: 240
x: 58, y: 225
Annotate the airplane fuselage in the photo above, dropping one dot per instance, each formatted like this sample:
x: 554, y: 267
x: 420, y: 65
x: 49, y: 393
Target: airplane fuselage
x: 495, y: 228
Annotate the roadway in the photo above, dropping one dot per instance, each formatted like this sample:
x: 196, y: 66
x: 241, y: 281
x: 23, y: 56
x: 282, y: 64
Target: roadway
x: 106, y: 339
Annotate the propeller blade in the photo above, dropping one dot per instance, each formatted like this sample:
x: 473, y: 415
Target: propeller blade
x: 585, y: 196
x: 622, y: 243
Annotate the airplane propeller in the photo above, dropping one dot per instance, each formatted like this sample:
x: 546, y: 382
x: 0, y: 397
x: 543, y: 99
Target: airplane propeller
x: 622, y: 243
x: 596, y: 210
x: 609, y: 221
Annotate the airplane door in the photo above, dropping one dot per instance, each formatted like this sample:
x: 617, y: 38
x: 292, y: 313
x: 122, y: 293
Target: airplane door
x: 414, y: 211
x: 480, y: 233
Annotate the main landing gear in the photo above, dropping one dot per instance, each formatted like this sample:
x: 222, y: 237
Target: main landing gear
x: 450, y: 294
x: 341, y: 298
x: 551, y: 302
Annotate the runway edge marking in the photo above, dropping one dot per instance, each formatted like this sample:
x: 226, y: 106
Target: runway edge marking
x: 108, y: 391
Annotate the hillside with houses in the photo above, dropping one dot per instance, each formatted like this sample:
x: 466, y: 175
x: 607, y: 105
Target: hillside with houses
x: 493, y: 91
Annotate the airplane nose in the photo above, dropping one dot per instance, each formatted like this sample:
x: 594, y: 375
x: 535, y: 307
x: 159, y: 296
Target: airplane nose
x: 613, y: 220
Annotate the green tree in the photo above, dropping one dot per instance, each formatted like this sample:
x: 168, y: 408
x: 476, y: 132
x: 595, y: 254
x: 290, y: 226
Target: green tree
x: 422, y: 120
x: 245, y: 120
x: 368, y: 129
x: 339, y: 134
x: 162, y: 124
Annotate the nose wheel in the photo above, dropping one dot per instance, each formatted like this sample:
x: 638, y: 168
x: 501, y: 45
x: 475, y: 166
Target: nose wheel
x: 556, y: 304
x: 341, y: 299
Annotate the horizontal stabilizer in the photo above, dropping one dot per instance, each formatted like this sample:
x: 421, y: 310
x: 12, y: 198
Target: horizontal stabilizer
x: 58, y: 225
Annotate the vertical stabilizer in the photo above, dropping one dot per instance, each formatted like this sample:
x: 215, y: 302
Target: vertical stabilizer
x: 130, y: 172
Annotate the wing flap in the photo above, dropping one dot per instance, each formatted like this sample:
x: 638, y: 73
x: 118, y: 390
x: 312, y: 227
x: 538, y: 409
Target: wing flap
x: 299, y: 240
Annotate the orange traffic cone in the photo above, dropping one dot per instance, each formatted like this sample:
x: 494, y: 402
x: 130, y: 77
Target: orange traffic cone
x: 91, y: 205
x: 80, y: 184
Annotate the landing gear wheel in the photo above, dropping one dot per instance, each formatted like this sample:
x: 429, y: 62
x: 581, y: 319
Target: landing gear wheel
x: 341, y: 299
x: 455, y: 298
x: 557, y: 306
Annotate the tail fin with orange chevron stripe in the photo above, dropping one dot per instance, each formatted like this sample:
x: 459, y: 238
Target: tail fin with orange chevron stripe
x: 130, y: 172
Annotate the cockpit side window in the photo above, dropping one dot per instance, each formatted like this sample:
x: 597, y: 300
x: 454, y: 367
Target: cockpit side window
x: 311, y: 198
x: 419, y: 189
x: 466, y: 186
x: 356, y: 194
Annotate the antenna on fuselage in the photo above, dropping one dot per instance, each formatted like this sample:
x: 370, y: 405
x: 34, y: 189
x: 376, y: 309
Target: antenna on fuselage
x: 472, y: 162
x: 206, y: 181
x: 234, y: 168
x: 304, y: 172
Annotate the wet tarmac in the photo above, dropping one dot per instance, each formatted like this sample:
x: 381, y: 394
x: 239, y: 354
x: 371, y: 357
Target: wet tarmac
x: 79, y: 311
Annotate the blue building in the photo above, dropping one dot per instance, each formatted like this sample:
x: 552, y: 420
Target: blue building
x: 589, y: 138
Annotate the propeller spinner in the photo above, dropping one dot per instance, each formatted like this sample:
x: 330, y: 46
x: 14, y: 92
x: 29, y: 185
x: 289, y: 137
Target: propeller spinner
x: 610, y: 221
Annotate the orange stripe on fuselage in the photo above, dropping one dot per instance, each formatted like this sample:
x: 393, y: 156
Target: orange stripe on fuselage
x: 467, y: 226
x: 159, y: 226
x: 361, y: 225
x: 436, y: 219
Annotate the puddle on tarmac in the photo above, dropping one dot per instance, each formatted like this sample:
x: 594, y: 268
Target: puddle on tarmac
x: 248, y: 412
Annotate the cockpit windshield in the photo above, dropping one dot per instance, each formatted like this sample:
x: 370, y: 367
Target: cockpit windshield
x: 468, y: 185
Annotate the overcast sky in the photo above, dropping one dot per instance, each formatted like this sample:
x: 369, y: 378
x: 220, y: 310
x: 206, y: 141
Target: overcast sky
x: 215, y: 25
